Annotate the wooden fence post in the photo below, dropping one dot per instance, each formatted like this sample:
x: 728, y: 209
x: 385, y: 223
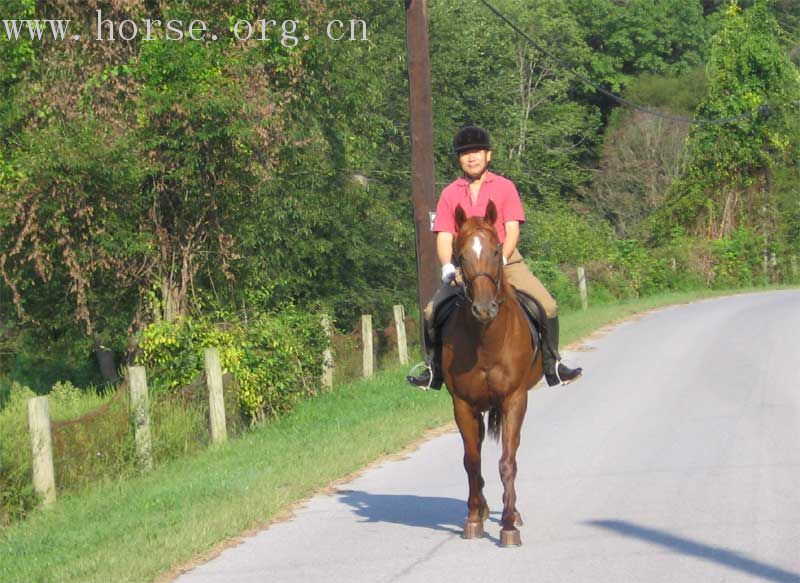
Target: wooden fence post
x: 400, y: 324
x: 582, y: 288
x: 140, y: 415
x: 366, y: 341
x: 44, y: 483
x: 216, y: 401
x: 327, y: 356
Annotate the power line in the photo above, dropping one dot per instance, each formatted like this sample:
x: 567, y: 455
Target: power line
x: 762, y: 110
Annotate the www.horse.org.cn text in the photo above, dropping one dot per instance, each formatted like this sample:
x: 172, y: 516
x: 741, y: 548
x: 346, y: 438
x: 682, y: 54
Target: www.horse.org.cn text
x: 289, y: 33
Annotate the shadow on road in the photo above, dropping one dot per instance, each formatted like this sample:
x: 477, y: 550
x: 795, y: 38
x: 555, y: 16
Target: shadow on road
x: 692, y: 548
x: 444, y: 514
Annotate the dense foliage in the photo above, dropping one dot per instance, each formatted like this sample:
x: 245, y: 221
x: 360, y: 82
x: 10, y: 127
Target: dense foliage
x: 275, y: 359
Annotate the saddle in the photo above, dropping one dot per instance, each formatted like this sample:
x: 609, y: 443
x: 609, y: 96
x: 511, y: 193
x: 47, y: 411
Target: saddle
x: 530, y: 307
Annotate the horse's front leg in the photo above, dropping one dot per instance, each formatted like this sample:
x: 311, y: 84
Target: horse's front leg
x: 513, y: 414
x: 481, y: 436
x: 469, y: 424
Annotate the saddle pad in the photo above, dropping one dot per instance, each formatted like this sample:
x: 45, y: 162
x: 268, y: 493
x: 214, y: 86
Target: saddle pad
x: 445, y: 309
x: 533, y: 312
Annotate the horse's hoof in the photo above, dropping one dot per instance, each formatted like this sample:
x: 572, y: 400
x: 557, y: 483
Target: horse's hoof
x: 518, y: 519
x: 473, y: 530
x: 510, y: 538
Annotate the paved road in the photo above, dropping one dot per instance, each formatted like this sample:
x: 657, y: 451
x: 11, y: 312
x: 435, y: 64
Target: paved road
x: 676, y: 458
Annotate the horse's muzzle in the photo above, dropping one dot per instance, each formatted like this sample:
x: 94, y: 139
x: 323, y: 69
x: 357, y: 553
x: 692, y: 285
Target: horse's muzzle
x: 485, y: 312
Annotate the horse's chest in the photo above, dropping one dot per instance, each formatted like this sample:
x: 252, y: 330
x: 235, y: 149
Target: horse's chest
x: 494, y: 376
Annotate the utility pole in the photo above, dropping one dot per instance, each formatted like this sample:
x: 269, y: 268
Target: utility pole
x: 423, y: 181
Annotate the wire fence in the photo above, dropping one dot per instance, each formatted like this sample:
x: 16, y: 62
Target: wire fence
x: 348, y: 349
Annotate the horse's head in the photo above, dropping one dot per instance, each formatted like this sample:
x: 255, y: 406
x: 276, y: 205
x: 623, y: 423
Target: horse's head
x: 479, y: 253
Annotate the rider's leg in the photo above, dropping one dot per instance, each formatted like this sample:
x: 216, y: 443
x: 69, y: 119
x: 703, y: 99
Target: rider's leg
x: 432, y: 377
x: 521, y: 278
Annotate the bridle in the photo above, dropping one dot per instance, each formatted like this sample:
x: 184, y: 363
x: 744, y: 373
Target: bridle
x: 496, y: 280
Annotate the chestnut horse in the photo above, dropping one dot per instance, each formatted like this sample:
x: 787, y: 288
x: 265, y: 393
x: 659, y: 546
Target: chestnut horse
x: 489, y: 363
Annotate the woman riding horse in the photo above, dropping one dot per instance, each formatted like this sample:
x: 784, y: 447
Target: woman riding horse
x: 472, y: 192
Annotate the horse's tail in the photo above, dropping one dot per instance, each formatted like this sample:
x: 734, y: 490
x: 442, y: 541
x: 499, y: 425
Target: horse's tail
x: 495, y: 421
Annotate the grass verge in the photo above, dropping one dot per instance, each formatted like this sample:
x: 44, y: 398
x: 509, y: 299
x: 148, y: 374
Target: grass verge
x: 138, y: 529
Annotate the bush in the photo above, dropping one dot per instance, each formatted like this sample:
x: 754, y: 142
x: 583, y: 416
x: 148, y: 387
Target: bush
x: 275, y: 358
x: 556, y: 233
x: 738, y: 258
x: 607, y: 283
x: 561, y: 287
x: 281, y: 363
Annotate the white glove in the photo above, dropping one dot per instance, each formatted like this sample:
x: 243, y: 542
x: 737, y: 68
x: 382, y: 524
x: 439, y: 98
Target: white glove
x: 448, y: 273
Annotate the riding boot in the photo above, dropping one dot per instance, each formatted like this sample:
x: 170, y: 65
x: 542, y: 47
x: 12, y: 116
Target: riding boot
x: 431, y: 377
x: 555, y: 372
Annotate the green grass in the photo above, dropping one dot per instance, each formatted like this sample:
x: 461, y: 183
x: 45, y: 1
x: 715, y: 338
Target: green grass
x: 137, y: 529
x: 133, y: 530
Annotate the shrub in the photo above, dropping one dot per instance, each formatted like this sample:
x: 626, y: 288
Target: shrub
x: 557, y: 233
x: 737, y: 257
x: 281, y: 363
x: 275, y: 358
x: 606, y: 283
x: 561, y: 287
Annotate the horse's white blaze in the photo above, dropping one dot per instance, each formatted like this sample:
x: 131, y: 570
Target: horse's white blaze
x: 477, y: 247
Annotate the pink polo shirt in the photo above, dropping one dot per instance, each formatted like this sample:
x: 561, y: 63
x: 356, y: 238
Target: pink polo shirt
x: 501, y: 190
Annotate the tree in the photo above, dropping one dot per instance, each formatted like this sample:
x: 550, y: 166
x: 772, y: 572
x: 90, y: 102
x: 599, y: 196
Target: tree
x: 728, y: 182
x: 643, y: 154
x: 135, y: 169
x: 628, y: 38
x: 484, y: 74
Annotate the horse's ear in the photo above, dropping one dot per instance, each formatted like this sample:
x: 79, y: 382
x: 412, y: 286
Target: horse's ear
x: 491, y: 213
x: 461, y: 216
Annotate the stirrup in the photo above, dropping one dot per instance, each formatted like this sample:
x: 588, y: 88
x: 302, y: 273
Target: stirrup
x: 558, y: 376
x: 561, y: 381
x: 421, y: 366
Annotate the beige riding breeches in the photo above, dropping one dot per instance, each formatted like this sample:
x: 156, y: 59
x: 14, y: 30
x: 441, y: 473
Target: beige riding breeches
x: 518, y: 275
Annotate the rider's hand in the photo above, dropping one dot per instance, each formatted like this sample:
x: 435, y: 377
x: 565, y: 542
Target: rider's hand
x: 448, y: 273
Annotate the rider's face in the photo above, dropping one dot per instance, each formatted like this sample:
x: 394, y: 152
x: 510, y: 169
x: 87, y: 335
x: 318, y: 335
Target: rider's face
x: 475, y: 162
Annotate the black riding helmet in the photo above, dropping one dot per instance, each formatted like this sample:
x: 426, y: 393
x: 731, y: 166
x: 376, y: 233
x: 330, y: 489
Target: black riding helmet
x: 471, y: 138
